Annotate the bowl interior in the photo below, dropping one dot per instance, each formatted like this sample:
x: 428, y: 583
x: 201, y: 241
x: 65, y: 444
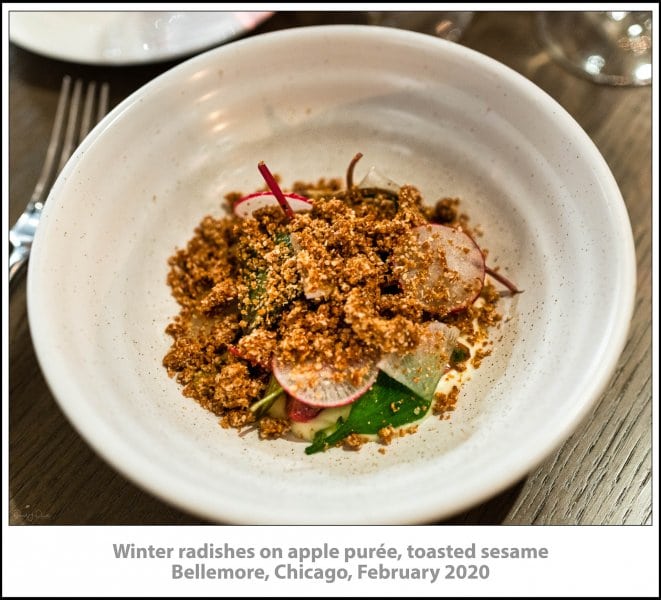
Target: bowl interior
x: 426, y: 112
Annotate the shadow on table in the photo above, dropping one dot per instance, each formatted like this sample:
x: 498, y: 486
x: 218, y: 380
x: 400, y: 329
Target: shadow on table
x: 491, y: 512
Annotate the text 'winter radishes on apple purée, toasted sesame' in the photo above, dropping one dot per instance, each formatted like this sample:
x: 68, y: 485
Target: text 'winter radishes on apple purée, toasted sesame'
x: 334, y: 312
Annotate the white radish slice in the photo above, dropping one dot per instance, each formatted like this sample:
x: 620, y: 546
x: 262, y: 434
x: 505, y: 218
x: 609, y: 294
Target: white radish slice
x: 444, y: 270
x: 247, y: 205
x: 313, y: 290
x: 320, y: 387
x: 376, y: 179
x: 421, y: 369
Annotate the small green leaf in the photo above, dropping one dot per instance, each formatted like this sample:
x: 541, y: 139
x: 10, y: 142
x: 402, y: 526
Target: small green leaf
x: 386, y: 403
x: 283, y: 237
x: 257, y: 291
x: 460, y: 354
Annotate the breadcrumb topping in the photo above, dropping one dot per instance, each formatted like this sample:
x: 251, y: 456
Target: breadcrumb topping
x: 326, y: 288
x: 444, y: 404
x: 389, y: 433
x: 355, y: 441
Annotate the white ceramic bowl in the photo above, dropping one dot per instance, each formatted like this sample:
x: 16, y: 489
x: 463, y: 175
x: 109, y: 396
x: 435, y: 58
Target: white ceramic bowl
x: 424, y: 111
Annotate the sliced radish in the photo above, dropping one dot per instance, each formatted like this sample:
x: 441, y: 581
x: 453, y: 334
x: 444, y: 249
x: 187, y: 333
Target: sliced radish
x: 299, y: 411
x: 444, y: 270
x: 321, y: 387
x: 313, y: 290
x: 376, y: 179
x: 247, y: 205
x: 421, y: 369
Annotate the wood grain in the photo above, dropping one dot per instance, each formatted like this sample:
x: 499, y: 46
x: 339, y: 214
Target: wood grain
x: 600, y: 475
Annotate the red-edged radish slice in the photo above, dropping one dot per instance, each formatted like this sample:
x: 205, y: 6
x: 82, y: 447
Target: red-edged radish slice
x: 320, y: 387
x: 299, y: 411
x: 444, y: 270
x: 245, y: 207
x: 421, y: 369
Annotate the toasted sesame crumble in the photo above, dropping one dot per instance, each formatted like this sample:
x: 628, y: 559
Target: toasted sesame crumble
x: 329, y: 291
x: 389, y: 433
x: 444, y: 404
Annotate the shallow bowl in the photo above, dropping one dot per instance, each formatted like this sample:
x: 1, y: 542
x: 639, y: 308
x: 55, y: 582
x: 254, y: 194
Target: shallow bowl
x: 424, y: 111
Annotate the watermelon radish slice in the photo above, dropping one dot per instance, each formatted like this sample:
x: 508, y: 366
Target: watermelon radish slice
x: 445, y: 270
x: 245, y: 207
x: 320, y: 388
x: 300, y: 412
x: 421, y: 369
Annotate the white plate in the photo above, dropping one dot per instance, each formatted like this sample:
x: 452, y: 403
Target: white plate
x: 120, y: 38
x: 425, y: 111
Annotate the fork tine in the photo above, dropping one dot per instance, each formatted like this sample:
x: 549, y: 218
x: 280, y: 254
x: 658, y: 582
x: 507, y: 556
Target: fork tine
x: 64, y: 139
x: 54, y: 143
x: 103, y: 101
x: 86, y: 123
x: 69, y: 138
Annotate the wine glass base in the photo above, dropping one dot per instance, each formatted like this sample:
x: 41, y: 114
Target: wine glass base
x: 447, y: 25
x: 613, y: 48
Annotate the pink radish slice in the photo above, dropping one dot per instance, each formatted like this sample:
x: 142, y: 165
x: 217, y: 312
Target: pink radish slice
x: 300, y: 412
x: 445, y: 271
x: 245, y: 207
x: 421, y: 369
x: 320, y: 388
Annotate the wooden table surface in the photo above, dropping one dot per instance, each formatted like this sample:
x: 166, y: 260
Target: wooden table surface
x: 601, y: 475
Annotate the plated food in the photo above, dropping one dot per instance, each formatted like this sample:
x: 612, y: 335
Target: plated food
x: 330, y: 312
x: 438, y: 115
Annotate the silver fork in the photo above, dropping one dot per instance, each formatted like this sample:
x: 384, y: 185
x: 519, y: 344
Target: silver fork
x: 71, y: 126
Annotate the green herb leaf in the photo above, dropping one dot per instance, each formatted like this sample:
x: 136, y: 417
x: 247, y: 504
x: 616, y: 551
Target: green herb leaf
x: 256, y: 295
x: 282, y: 237
x: 387, y: 402
x: 460, y: 354
x: 257, y: 281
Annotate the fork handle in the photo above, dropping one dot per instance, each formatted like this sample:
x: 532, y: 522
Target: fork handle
x: 17, y: 261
